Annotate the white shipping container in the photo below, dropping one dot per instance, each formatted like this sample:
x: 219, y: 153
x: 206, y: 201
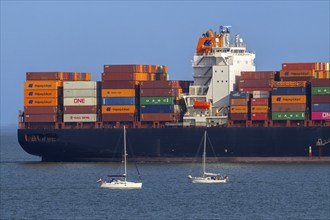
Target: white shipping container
x: 79, y: 117
x: 79, y: 85
x: 78, y: 93
x: 79, y: 101
x: 260, y: 94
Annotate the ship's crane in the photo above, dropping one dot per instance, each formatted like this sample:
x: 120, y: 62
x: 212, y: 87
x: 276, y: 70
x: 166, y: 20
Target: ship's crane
x: 321, y: 143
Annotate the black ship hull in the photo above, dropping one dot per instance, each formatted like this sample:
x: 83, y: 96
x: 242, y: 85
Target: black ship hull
x: 106, y: 143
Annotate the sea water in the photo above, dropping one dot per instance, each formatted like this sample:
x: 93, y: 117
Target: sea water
x: 31, y: 189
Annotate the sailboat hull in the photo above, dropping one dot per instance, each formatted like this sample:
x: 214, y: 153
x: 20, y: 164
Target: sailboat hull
x: 121, y: 185
x: 206, y: 180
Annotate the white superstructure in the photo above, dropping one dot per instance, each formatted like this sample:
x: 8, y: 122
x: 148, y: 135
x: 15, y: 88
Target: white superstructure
x: 216, y: 65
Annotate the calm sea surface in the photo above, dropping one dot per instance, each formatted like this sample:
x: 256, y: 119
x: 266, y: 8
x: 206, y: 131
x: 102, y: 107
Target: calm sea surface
x: 31, y: 189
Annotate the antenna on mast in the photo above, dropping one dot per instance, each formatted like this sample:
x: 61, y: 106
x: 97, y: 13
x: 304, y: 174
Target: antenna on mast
x: 225, y: 33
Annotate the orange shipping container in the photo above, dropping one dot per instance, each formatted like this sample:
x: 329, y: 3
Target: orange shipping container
x: 118, y: 92
x: 322, y: 74
x: 42, y: 84
x: 118, y: 109
x: 76, y: 76
x: 31, y: 93
x: 296, y: 73
x: 239, y: 109
x: 125, y: 76
x: 238, y: 102
x: 326, y: 66
x: 40, y: 102
x: 276, y: 99
x: 164, y: 69
x: 152, y: 76
x: 259, y: 109
x: 289, y: 84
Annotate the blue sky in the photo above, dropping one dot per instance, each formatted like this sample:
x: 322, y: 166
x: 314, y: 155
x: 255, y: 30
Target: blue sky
x: 85, y: 35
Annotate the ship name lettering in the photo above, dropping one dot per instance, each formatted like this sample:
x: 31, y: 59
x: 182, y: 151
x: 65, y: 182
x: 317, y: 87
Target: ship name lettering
x: 325, y: 114
x: 79, y: 100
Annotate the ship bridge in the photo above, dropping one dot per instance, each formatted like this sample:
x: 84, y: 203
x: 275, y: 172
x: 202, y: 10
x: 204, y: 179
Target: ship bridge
x: 216, y: 67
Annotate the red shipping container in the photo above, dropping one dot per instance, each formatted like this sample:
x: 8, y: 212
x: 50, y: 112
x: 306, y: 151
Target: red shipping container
x: 238, y: 102
x: 321, y: 116
x: 128, y: 68
x: 44, y: 76
x: 157, y: 117
x: 157, y: 92
x: 40, y: 118
x: 301, y: 66
x: 257, y: 83
x: 118, y: 117
x: 288, y: 107
x: 258, y: 75
x: 306, y: 79
x: 320, y: 99
x: 168, y: 84
x: 80, y: 109
x: 259, y: 116
x: 259, y: 101
x: 239, y: 116
x: 40, y: 110
x: 320, y: 82
x: 119, y: 84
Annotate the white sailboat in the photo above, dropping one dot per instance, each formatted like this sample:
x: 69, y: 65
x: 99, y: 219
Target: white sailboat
x: 120, y: 181
x: 208, y: 177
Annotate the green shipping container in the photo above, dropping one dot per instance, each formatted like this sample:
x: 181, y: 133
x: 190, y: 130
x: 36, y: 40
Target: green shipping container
x: 157, y: 100
x: 321, y: 90
x: 288, y: 116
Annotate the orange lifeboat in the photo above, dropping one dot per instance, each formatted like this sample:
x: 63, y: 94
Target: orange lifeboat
x: 201, y: 105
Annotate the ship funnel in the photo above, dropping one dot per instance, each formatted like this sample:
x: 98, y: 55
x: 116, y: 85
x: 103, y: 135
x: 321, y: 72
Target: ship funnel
x: 210, y: 33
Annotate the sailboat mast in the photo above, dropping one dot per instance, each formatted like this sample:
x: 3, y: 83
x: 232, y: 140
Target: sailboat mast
x: 204, y: 154
x: 125, y: 152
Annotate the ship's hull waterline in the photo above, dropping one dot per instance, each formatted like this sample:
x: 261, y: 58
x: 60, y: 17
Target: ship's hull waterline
x: 104, y: 144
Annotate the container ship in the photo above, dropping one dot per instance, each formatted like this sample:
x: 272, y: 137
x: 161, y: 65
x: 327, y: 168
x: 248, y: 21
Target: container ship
x: 247, y: 113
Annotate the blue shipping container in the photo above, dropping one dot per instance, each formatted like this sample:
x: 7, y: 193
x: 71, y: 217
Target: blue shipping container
x: 239, y: 95
x: 119, y: 101
x: 289, y: 91
x: 322, y: 107
x: 157, y: 109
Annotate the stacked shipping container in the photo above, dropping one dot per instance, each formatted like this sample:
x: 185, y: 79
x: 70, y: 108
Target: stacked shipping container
x: 120, y: 89
x: 299, y: 71
x: 289, y: 103
x: 132, y: 93
x: 80, y: 101
x: 43, y: 98
x: 259, y: 109
x: 259, y: 84
x: 119, y: 85
x: 239, y: 106
x: 256, y: 81
x: 320, y: 99
x: 158, y: 100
